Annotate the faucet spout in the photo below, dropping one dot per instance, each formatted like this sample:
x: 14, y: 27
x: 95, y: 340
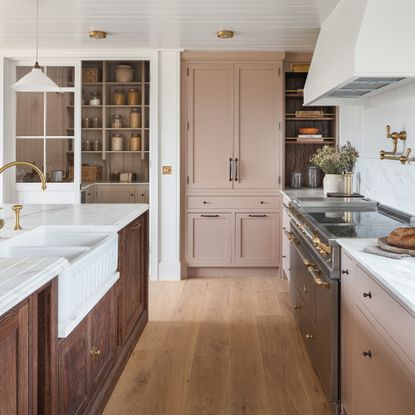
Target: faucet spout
x: 26, y: 163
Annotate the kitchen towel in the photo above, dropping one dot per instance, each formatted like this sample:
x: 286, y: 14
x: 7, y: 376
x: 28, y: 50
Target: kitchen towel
x: 375, y: 250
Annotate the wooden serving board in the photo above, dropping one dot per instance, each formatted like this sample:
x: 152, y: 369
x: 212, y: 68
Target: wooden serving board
x: 382, y: 243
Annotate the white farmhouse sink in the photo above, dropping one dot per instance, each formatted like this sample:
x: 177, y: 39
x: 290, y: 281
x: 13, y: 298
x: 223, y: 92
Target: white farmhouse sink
x: 92, y: 270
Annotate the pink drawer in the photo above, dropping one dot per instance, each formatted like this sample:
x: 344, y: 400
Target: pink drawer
x: 397, y: 322
x: 233, y: 202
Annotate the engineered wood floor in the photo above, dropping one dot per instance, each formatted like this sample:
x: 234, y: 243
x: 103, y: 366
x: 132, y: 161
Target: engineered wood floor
x: 220, y: 346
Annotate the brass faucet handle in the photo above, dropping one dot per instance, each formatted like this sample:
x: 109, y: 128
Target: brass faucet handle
x: 16, y: 209
x: 395, y: 136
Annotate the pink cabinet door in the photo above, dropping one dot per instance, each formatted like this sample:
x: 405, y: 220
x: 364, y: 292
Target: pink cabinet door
x: 209, y: 239
x: 257, y: 112
x: 257, y: 239
x: 210, y: 125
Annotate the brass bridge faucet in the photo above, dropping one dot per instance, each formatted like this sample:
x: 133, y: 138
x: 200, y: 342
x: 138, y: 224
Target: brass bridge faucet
x: 18, y: 208
x: 392, y: 155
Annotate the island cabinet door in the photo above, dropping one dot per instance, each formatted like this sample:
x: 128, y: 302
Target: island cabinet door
x: 133, y: 270
x: 14, y: 362
x: 73, y: 371
x: 257, y: 239
x: 102, y: 329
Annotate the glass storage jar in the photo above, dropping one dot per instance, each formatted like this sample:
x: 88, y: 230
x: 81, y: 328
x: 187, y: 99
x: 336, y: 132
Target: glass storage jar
x: 117, y: 142
x: 134, y: 142
x: 119, y: 97
x: 296, y: 179
x: 135, y: 118
x: 116, y: 121
x: 133, y: 98
x: 95, y: 98
x: 96, y: 146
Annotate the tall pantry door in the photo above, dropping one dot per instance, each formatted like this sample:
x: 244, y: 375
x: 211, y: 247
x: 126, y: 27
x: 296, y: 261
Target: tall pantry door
x: 257, y: 90
x: 210, y: 125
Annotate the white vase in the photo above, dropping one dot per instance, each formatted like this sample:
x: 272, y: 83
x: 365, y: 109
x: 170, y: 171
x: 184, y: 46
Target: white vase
x: 333, y: 183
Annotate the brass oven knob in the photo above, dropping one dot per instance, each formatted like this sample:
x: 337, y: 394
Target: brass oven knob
x: 309, y: 337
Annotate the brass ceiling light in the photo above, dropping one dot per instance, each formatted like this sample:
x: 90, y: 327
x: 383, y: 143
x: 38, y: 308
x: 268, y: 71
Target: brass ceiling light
x: 225, y: 34
x: 97, y: 34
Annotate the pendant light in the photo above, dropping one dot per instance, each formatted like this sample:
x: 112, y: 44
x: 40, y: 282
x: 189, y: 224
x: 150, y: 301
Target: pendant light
x: 36, y: 80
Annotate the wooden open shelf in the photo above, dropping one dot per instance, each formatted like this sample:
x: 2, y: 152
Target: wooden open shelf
x: 298, y: 152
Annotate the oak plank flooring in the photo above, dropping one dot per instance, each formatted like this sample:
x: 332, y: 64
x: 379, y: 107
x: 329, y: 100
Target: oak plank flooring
x: 219, y: 346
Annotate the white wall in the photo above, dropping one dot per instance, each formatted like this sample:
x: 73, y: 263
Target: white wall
x: 387, y: 181
x: 169, y: 153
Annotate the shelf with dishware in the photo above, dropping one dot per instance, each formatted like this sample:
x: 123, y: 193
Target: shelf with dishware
x: 115, y: 120
x: 306, y: 128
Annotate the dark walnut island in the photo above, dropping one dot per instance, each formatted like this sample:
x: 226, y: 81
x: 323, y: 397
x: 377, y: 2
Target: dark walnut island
x: 42, y: 374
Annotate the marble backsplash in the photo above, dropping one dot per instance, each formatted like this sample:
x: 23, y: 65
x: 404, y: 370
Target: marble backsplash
x: 388, y: 182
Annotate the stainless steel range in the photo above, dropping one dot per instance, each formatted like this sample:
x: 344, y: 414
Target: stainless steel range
x: 316, y: 271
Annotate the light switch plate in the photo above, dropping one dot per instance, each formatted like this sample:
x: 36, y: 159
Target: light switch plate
x: 167, y: 169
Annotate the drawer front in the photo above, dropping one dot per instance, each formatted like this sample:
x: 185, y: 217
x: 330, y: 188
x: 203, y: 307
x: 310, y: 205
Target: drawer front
x: 234, y: 202
x: 286, y: 257
x: 389, y: 380
x: 373, y: 298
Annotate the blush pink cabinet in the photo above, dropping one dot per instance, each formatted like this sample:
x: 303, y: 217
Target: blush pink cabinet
x: 257, y: 239
x: 377, y: 347
x: 209, y: 125
x: 210, y: 238
x: 256, y: 143
x: 232, y: 110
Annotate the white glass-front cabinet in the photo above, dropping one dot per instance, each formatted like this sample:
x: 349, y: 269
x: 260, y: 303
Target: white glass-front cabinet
x: 46, y: 135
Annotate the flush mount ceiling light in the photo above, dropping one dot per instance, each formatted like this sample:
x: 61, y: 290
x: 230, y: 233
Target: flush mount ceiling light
x: 97, y: 34
x: 225, y: 34
x: 36, y: 80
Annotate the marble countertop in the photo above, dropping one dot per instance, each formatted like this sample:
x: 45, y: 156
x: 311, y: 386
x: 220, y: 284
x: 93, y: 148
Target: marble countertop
x: 20, y: 277
x: 397, y: 276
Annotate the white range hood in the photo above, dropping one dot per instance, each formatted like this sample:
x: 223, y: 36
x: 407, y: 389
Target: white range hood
x: 364, y: 47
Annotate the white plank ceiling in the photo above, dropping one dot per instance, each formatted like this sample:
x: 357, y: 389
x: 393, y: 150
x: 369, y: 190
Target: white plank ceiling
x: 291, y: 25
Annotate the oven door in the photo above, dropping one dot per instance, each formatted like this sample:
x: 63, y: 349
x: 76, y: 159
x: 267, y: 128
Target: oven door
x: 316, y: 300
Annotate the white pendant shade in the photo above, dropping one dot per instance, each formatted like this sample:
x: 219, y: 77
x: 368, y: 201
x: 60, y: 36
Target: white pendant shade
x: 36, y: 81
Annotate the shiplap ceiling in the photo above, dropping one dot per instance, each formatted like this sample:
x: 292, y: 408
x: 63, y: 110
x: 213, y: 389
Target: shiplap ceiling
x: 291, y: 25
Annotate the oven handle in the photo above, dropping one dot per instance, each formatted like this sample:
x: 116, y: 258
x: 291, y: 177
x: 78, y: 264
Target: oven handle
x: 315, y: 273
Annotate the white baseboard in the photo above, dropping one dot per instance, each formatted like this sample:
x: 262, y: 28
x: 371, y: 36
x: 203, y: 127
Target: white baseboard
x: 169, y: 271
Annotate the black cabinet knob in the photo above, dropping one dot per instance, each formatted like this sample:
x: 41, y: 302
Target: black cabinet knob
x: 367, y: 354
x: 345, y: 272
x: 367, y: 295
x: 262, y: 202
x: 204, y: 202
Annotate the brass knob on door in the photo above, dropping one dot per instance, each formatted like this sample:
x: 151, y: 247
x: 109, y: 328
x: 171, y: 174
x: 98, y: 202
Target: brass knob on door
x: 309, y: 337
x: 95, y: 352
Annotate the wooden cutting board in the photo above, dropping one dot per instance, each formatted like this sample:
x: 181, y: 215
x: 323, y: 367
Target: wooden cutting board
x: 382, y: 243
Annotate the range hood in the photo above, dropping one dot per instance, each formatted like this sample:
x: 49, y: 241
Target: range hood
x: 365, y: 47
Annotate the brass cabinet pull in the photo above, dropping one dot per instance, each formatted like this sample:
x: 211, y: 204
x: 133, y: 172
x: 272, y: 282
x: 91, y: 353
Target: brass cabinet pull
x: 316, y: 277
x: 309, y: 337
x: 95, y: 352
x: 209, y: 216
x: 323, y: 248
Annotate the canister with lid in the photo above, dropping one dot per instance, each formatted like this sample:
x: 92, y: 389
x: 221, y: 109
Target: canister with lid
x: 296, y: 179
x: 119, y: 97
x: 116, y: 142
x: 133, y: 97
x: 134, y: 142
x: 135, y: 118
x: 116, y: 121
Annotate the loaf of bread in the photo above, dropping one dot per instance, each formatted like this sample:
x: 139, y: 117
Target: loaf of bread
x: 402, y: 238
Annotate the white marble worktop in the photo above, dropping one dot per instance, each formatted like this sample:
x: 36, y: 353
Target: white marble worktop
x: 397, y: 276
x: 20, y: 277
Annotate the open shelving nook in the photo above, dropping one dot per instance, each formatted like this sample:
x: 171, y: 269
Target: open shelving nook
x: 298, y: 151
x: 97, y: 121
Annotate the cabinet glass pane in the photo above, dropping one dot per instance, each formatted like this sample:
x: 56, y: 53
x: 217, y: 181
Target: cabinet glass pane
x: 31, y: 151
x: 59, y: 160
x: 63, y: 76
x: 59, y: 114
x: 29, y: 109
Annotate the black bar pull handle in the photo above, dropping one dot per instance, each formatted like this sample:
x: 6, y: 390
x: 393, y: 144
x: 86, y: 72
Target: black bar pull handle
x: 236, y: 169
x: 209, y: 216
x: 230, y: 169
